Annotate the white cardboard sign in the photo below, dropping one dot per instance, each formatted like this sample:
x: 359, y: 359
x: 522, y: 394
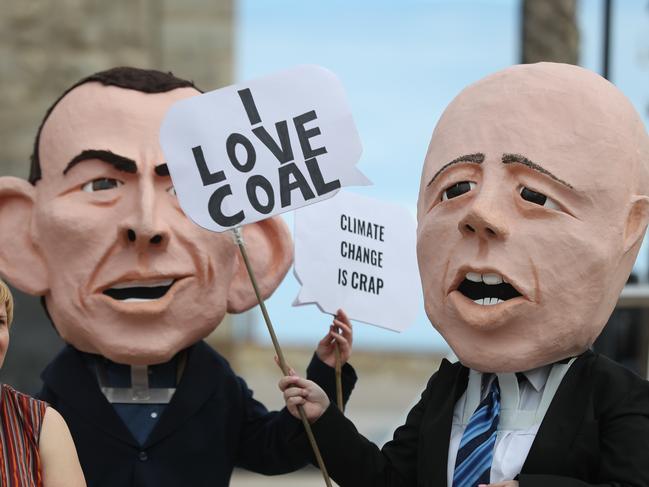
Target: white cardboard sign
x: 358, y: 253
x: 247, y: 152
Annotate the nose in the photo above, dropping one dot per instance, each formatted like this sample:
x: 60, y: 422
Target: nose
x: 155, y: 238
x: 145, y: 228
x: 484, y: 220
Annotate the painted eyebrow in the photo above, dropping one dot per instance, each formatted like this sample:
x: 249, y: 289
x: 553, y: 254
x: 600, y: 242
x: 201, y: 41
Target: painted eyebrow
x: 519, y: 159
x: 120, y: 163
x: 477, y: 158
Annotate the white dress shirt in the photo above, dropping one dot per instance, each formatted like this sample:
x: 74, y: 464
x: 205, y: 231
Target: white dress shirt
x: 522, y: 408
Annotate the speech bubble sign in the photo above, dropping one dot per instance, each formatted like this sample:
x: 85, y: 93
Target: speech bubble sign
x: 249, y: 151
x: 358, y: 253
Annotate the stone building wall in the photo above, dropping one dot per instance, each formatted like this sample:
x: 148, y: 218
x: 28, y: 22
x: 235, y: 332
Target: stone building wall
x: 45, y: 46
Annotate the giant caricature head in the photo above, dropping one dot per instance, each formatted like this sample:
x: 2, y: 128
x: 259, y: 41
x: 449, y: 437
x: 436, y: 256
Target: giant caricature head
x: 532, y: 208
x: 101, y: 236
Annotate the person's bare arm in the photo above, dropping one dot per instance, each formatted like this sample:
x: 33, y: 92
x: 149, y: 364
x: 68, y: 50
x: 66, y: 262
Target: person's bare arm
x: 59, y: 458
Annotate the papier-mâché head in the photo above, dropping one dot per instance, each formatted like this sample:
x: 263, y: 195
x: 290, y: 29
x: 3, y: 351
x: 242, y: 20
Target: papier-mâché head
x: 532, y: 208
x: 101, y: 236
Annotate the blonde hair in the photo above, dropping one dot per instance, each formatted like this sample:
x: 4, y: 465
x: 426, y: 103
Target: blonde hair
x: 8, y: 300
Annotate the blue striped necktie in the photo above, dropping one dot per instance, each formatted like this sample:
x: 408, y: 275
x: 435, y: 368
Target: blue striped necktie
x: 475, y: 454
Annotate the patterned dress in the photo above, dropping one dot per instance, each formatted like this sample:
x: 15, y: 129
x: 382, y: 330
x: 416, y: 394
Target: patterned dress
x: 21, y: 418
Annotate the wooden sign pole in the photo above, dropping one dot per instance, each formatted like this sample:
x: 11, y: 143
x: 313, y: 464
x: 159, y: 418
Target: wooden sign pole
x: 280, y: 355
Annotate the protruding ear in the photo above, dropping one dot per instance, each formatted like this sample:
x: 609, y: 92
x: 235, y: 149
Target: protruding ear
x: 270, y: 250
x: 20, y: 262
x: 636, y: 222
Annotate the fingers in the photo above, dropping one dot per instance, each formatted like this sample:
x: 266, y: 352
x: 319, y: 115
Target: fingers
x: 292, y: 381
x: 326, y: 347
x: 342, y: 316
x: 297, y: 391
x: 340, y: 329
x: 341, y: 333
x: 296, y: 387
x: 343, y: 325
x: 343, y: 328
x: 336, y: 336
x: 295, y: 396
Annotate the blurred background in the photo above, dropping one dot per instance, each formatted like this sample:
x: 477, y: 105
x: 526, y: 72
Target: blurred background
x: 400, y: 62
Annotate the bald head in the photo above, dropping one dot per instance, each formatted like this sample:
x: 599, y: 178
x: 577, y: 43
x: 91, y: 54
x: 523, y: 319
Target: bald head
x: 537, y: 177
x: 533, y: 107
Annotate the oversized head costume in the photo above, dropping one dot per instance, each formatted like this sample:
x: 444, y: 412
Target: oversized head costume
x: 532, y: 208
x: 132, y: 286
x: 100, y: 235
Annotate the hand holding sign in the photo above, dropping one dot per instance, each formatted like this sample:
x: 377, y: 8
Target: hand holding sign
x: 358, y: 253
x: 247, y: 152
x: 231, y: 166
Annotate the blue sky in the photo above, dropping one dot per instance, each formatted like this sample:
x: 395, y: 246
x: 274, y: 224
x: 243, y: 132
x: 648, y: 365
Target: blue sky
x: 401, y: 62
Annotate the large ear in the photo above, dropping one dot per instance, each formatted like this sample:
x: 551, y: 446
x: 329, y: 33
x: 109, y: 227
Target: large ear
x: 270, y: 250
x: 636, y: 222
x: 20, y: 262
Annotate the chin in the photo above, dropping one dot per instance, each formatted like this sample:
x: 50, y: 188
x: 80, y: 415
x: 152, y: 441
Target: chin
x: 135, y: 350
x: 507, y: 357
x: 141, y: 355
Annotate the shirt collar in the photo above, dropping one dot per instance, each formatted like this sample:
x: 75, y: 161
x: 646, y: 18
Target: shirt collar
x: 538, y: 377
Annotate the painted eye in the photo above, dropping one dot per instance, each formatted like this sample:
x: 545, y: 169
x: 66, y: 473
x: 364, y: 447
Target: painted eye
x: 171, y: 190
x: 101, y: 184
x: 457, y: 189
x: 538, y: 198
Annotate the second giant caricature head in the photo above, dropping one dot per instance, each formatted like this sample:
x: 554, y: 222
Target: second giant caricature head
x: 532, y: 208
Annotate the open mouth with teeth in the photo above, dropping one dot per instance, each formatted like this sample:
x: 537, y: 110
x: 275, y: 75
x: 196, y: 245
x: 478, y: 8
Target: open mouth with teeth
x: 139, y: 291
x: 487, y: 289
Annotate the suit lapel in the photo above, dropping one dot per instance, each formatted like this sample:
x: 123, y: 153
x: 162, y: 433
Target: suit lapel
x: 446, y: 388
x: 563, y: 418
x: 198, y: 383
x: 75, y: 386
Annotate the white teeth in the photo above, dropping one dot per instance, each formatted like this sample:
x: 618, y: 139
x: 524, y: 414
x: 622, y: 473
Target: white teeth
x: 135, y: 300
x: 130, y: 284
x: 474, y: 276
x: 488, y: 301
x: 489, y: 279
x: 492, y: 279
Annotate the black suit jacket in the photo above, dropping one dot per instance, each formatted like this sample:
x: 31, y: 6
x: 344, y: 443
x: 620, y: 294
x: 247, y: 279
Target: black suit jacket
x: 212, y: 424
x: 596, y: 432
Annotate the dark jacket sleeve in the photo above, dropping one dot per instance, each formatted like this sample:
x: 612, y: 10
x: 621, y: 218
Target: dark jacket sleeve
x: 354, y: 461
x: 272, y: 443
x: 264, y: 438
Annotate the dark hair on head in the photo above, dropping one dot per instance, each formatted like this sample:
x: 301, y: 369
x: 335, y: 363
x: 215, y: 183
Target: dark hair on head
x: 144, y: 80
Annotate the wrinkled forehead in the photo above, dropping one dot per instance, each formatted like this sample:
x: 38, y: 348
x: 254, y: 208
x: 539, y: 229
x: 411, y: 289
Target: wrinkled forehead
x: 562, y: 116
x: 94, y: 116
